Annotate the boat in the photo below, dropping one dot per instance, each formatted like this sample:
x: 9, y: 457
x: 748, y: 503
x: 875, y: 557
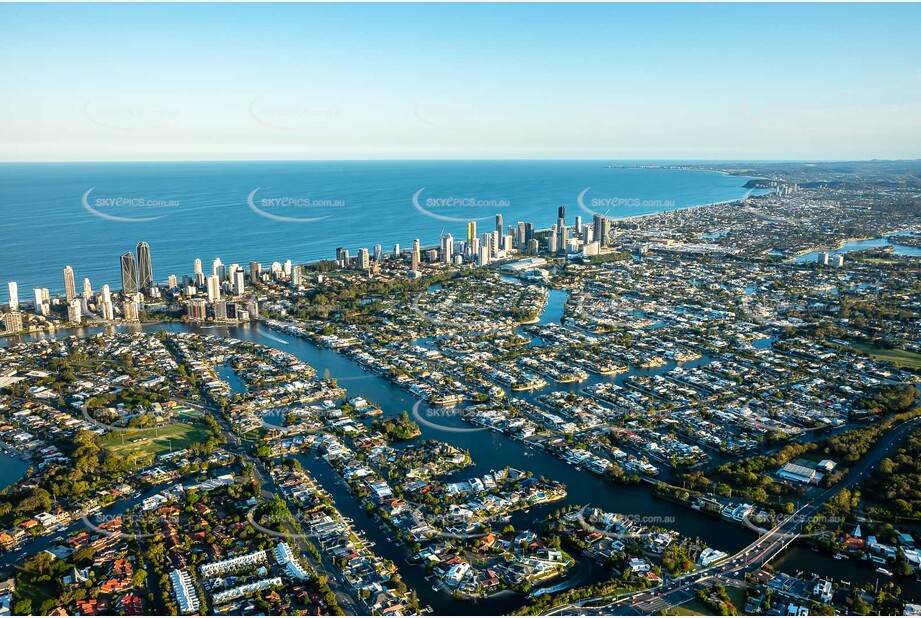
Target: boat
x: 840, y: 556
x: 884, y: 571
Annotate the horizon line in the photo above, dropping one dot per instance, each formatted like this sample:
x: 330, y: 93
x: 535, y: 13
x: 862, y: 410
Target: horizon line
x: 465, y: 159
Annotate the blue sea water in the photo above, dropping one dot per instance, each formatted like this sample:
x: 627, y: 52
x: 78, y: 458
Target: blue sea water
x: 87, y: 214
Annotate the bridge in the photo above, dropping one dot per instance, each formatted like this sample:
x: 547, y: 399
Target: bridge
x: 769, y: 545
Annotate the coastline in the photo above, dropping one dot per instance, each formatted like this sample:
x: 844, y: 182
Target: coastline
x: 678, y: 168
x: 674, y: 168
x: 680, y: 209
x: 172, y: 241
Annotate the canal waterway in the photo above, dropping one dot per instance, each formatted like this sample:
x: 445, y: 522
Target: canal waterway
x: 491, y: 451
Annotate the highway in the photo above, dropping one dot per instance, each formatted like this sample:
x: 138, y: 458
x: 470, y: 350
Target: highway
x: 673, y: 592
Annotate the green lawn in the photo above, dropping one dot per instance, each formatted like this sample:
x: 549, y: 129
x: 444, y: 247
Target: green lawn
x: 156, y: 441
x: 900, y: 358
x: 874, y: 260
x: 695, y: 607
x: 738, y: 598
x: 186, y: 414
x: 26, y: 588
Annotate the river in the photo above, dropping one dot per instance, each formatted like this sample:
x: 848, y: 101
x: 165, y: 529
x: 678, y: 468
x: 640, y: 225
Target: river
x: 857, y: 572
x: 859, y: 245
x: 488, y: 450
x: 12, y: 469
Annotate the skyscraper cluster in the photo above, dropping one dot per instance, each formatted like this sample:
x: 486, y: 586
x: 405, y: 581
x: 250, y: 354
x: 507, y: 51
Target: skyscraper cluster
x: 137, y: 273
x: 224, y: 286
x: 497, y: 243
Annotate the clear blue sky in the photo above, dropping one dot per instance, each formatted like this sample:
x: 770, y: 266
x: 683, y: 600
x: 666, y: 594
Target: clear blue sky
x: 315, y: 81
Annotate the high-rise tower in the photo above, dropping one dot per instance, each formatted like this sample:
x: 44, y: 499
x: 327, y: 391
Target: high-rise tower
x: 145, y: 267
x: 14, y: 296
x: 70, y: 287
x: 129, y: 274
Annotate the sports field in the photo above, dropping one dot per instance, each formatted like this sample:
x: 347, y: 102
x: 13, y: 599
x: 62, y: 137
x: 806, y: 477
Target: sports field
x: 157, y: 440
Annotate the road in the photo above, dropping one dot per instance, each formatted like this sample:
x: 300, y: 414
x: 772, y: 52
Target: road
x: 346, y: 596
x: 753, y: 557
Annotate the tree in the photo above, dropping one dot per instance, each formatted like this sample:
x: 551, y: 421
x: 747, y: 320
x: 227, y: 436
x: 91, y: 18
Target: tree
x: 84, y: 555
x: 22, y: 607
x: 886, y: 466
x: 47, y: 606
x: 861, y: 607
x: 39, y: 563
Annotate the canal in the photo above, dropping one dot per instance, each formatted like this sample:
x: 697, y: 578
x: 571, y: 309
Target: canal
x: 859, y: 245
x: 800, y: 559
x: 489, y: 451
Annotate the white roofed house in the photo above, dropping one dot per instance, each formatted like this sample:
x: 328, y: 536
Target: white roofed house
x: 823, y: 591
x: 456, y: 573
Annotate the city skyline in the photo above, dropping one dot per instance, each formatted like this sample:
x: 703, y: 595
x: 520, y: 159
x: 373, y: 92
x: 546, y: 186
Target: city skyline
x: 137, y: 271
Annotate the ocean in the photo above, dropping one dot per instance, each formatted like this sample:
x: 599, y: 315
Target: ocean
x: 87, y: 214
